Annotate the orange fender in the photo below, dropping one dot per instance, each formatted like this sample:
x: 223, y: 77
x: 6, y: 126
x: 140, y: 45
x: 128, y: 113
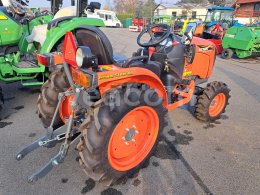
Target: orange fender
x: 112, y: 79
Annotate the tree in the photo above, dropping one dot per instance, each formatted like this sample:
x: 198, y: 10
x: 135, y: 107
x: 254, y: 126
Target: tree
x: 148, y: 8
x: 140, y: 8
x: 218, y: 2
x: 106, y: 7
x: 192, y: 1
x: 128, y: 6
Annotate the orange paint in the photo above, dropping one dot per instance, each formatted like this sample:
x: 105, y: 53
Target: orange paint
x: 199, y: 30
x: 133, y: 138
x: 65, y: 108
x: 217, y: 104
x: 112, y: 79
x: 185, y: 96
x: 203, y: 62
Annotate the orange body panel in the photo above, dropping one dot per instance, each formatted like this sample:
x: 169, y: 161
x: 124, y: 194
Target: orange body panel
x: 113, y: 78
x: 199, y: 30
x: 186, y: 96
x: 204, y: 59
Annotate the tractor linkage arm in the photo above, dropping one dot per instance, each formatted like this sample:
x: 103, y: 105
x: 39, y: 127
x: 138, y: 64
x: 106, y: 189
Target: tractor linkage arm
x: 54, y: 136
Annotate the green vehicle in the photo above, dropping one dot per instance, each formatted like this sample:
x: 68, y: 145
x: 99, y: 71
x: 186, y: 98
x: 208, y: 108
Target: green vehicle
x: 163, y: 19
x: 243, y: 41
x: 24, y: 34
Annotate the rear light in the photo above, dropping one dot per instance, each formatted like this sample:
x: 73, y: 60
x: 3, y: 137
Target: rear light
x: 44, y: 59
x: 50, y: 59
x: 81, y: 78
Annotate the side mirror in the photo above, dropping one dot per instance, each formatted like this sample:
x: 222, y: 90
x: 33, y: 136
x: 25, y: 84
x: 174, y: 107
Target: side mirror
x: 73, y: 3
x: 188, y: 34
x: 94, y: 5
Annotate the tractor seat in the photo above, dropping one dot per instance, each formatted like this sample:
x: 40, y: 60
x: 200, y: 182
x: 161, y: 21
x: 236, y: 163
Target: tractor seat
x: 155, y: 67
x: 101, y: 47
x: 142, y: 62
x: 97, y: 41
x: 39, y: 32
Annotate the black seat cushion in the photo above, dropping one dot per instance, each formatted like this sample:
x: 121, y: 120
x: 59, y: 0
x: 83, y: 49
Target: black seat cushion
x: 97, y: 41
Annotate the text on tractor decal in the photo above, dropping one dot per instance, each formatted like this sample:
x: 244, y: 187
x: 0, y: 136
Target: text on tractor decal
x: 122, y: 74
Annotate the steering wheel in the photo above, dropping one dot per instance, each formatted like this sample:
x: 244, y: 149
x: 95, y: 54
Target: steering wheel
x: 18, y: 8
x: 154, y: 40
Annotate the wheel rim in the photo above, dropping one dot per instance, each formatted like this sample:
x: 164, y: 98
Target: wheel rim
x: 217, y: 104
x: 133, y: 138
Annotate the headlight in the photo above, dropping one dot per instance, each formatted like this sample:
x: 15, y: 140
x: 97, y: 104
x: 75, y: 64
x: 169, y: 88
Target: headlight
x: 84, y: 57
x: 79, y: 57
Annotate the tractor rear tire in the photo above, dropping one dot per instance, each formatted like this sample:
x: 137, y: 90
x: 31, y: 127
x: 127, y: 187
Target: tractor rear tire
x: 212, y: 101
x: 1, y: 98
x: 227, y: 53
x: 106, y: 156
x: 48, y: 98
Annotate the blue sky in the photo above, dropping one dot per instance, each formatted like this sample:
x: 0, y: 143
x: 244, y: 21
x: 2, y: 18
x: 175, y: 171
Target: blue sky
x: 45, y: 3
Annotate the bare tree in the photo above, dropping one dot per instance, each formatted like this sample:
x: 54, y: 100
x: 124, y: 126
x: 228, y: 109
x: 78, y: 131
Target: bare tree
x: 128, y: 6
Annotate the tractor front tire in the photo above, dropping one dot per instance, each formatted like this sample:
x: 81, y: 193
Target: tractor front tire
x: 212, y: 101
x: 227, y: 53
x: 48, y: 98
x: 118, y: 138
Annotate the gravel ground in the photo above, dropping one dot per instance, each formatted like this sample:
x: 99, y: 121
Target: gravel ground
x: 194, y: 158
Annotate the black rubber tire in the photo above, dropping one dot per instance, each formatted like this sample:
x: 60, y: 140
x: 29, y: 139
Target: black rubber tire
x: 98, y: 128
x: 205, y: 98
x: 117, y: 25
x: 1, y: 98
x: 48, y: 98
x: 227, y: 53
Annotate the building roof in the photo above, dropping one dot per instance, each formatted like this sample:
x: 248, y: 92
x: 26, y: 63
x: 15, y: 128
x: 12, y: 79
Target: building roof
x: 246, y: 1
x: 169, y: 6
x: 220, y: 8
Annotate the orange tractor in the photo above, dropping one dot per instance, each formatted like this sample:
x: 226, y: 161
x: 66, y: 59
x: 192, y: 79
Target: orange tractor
x: 115, y: 111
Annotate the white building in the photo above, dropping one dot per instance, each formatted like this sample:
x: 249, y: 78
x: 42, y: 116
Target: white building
x: 198, y: 11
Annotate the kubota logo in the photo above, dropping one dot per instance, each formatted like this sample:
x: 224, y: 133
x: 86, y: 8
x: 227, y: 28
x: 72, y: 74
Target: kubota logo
x: 110, y: 76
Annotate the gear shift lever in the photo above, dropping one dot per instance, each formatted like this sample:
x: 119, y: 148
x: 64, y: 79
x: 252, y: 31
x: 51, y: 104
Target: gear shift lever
x: 150, y: 52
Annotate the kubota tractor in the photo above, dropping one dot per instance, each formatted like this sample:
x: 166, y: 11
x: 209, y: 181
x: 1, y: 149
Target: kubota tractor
x: 116, y: 111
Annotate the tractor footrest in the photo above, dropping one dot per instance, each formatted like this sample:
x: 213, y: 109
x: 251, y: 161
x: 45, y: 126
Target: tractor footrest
x: 32, y: 83
x: 26, y: 64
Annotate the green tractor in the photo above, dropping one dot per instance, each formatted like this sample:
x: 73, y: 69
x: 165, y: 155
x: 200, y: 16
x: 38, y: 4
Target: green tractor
x: 24, y: 34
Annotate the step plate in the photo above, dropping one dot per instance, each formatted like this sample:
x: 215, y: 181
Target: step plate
x: 26, y: 64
